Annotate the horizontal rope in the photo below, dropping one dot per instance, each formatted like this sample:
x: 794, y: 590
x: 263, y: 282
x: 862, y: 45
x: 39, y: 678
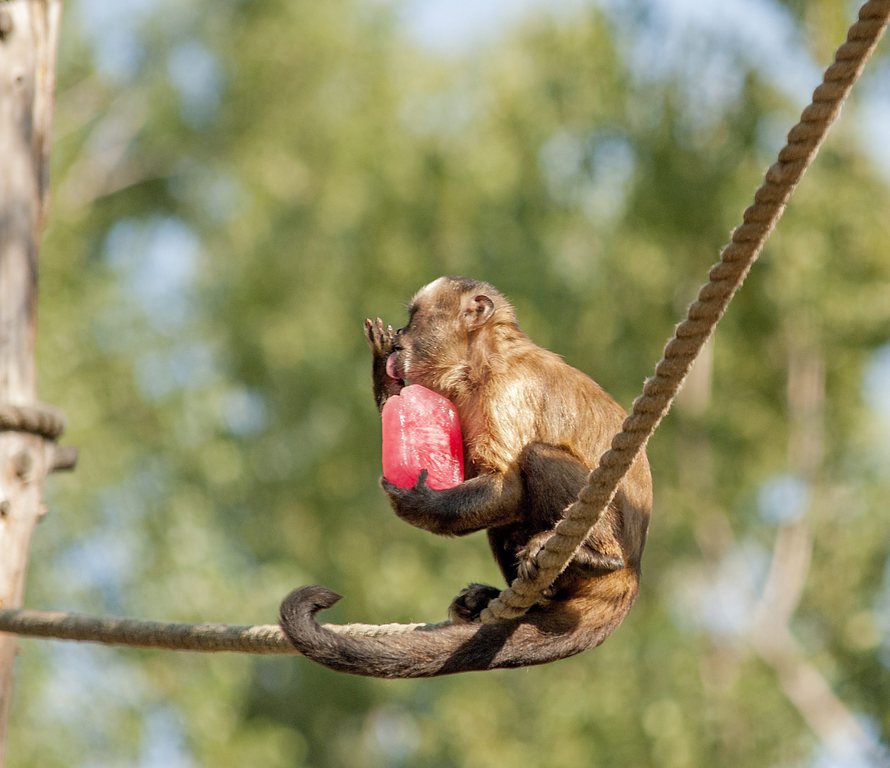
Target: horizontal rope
x: 210, y: 638
x: 36, y: 419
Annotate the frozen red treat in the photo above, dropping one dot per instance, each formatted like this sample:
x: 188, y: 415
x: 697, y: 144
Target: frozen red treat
x: 421, y: 430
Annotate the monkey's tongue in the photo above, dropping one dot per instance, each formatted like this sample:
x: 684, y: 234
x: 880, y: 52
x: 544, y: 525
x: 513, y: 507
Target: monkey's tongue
x: 391, y: 367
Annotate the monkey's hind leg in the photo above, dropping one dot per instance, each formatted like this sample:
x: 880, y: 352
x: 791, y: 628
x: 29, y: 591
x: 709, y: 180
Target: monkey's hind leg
x: 552, y: 477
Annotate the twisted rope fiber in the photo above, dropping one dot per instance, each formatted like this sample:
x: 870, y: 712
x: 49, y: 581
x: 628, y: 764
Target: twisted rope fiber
x: 689, y: 337
x: 37, y: 419
x: 726, y: 277
x: 259, y: 639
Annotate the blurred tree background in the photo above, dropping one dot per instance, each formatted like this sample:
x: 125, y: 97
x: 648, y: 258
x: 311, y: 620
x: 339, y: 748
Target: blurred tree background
x: 237, y: 185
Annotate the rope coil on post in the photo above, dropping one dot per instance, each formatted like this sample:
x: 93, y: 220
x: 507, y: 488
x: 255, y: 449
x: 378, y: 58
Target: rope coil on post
x: 36, y: 419
x: 659, y: 391
x: 726, y: 277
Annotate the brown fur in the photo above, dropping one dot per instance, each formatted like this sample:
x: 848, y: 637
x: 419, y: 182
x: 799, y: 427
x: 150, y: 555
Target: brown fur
x: 533, y: 428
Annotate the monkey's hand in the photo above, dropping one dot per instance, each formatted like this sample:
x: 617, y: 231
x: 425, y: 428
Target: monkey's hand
x: 480, y: 502
x: 416, y: 505
x: 380, y: 338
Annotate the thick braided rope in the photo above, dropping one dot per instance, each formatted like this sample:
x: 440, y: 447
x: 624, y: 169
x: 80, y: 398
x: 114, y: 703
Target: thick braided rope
x: 40, y: 420
x: 259, y: 639
x: 726, y: 277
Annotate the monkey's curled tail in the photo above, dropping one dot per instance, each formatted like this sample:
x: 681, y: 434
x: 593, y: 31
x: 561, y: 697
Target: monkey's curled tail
x: 561, y: 629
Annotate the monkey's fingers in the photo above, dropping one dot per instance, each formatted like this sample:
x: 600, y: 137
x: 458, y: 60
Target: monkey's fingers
x: 526, y: 562
x: 379, y: 337
x: 415, y: 505
x: 397, y: 490
x: 421, y: 485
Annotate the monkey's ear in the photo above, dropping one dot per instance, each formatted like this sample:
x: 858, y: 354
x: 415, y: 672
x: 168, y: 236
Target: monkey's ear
x: 477, y: 311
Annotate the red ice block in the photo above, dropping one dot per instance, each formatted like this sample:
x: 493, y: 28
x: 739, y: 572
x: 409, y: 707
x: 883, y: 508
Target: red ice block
x: 421, y: 430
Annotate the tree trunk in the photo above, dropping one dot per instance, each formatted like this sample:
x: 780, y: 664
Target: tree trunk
x: 28, y: 35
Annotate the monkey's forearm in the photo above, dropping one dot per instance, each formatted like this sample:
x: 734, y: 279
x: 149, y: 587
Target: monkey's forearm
x: 481, y: 502
x: 384, y: 386
x: 380, y: 340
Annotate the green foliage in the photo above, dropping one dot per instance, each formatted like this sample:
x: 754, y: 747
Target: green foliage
x: 252, y: 180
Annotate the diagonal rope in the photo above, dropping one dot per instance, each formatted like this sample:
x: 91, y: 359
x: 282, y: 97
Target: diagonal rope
x: 726, y: 277
x: 689, y: 337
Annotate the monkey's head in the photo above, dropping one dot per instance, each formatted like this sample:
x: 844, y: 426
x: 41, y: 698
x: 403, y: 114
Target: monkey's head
x: 453, y: 326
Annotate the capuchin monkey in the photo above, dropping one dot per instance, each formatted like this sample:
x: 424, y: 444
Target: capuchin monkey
x: 533, y: 427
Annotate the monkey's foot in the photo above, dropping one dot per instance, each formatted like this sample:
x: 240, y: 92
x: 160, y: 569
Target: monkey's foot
x: 380, y: 337
x: 470, y: 603
x: 587, y: 562
x: 526, y: 564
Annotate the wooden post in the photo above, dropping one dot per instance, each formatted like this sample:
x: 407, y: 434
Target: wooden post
x: 28, y: 36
